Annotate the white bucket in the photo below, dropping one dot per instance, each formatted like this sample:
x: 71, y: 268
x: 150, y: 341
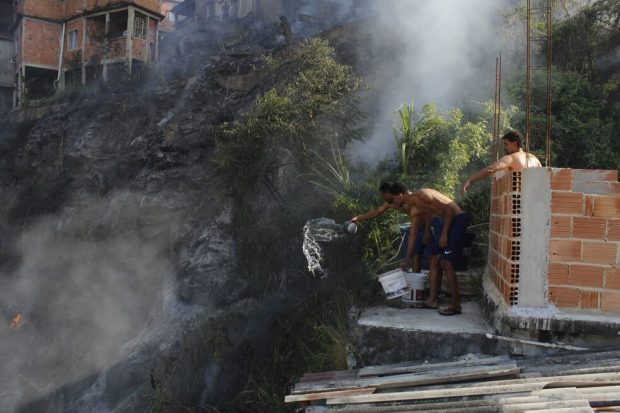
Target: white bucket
x: 393, y: 283
x: 415, y: 282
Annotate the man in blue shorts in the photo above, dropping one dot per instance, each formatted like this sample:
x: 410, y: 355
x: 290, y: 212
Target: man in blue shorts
x: 451, y: 239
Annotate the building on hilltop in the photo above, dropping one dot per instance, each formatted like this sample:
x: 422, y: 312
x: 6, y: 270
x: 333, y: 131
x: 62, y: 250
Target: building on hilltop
x: 61, y: 44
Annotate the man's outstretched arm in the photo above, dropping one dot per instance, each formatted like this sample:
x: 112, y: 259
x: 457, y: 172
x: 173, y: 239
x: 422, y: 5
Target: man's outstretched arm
x: 372, y: 214
x: 503, y: 163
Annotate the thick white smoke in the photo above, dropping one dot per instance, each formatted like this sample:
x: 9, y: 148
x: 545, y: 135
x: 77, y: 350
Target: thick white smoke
x: 446, y: 57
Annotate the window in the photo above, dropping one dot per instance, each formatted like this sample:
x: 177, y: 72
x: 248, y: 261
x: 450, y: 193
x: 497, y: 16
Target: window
x: 73, y: 39
x: 171, y: 16
x: 139, y: 27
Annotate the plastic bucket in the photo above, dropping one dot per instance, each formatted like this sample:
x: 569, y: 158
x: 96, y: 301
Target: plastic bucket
x: 393, y: 283
x: 415, y: 283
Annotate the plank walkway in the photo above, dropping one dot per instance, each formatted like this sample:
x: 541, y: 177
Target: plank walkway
x: 571, y: 382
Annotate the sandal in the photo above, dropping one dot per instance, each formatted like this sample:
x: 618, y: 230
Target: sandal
x: 449, y: 311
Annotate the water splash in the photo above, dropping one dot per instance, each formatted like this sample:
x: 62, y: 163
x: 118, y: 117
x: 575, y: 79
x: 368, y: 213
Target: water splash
x: 315, y: 231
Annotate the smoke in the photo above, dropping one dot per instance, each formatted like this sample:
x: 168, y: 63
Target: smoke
x: 87, y: 282
x: 445, y: 54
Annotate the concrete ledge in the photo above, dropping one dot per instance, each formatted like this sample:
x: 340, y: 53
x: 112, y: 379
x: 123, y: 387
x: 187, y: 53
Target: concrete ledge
x: 391, y: 335
x: 549, y: 324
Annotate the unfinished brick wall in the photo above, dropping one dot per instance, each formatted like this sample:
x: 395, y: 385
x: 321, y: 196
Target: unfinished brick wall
x: 504, y: 235
x: 41, y: 42
x: 584, y: 263
x: 50, y: 9
x: 574, y: 216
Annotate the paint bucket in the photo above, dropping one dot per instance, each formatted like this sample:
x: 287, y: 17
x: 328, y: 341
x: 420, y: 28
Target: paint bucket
x: 393, y: 283
x: 415, y: 283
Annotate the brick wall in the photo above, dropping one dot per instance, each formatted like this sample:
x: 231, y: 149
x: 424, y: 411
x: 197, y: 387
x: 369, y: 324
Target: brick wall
x: 582, y: 260
x: 41, y: 42
x: 50, y: 9
x: 504, y: 235
x: 584, y: 245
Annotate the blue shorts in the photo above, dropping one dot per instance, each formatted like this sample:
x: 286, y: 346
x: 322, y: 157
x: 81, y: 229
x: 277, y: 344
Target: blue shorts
x: 432, y: 248
x: 457, y: 236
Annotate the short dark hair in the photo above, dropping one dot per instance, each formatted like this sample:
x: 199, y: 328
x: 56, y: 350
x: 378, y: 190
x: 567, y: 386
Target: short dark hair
x: 385, y: 187
x: 514, y: 136
x: 399, y: 188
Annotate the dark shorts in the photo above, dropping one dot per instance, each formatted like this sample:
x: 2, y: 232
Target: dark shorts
x: 432, y: 248
x: 457, y: 236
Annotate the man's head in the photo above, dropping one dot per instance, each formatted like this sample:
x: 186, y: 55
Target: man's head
x: 512, y: 142
x: 398, y: 190
x: 384, y: 189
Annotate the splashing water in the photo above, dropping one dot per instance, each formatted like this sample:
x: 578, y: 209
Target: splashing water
x: 315, y: 231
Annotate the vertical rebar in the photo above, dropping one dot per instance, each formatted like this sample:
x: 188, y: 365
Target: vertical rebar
x: 528, y: 85
x: 494, y: 146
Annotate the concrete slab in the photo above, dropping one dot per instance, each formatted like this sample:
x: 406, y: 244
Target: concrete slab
x: 386, y: 334
x: 419, y: 319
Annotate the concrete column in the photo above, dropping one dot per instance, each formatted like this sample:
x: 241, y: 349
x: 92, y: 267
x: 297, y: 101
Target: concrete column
x: 131, y: 14
x: 535, y: 234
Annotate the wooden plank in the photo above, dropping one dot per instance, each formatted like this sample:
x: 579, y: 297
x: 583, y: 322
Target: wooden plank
x: 492, y: 387
x: 409, y: 367
x: 326, y: 395
x: 413, y: 379
x: 329, y: 375
x: 552, y: 405
x: 432, y: 394
x: 563, y: 410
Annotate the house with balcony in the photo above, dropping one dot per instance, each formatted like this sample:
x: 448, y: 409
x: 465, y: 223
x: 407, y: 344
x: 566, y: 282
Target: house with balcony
x: 62, y: 44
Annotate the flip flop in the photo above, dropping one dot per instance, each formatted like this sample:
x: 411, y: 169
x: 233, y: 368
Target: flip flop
x: 449, y: 311
x: 428, y: 307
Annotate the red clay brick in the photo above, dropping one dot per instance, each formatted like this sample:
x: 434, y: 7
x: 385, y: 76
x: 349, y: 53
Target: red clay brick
x: 613, y: 229
x: 560, y: 226
x: 589, y: 299
x: 604, y: 206
x: 561, y: 179
x: 614, y: 188
x: 610, y: 301
x: 589, y: 227
x: 586, y: 276
x: 557, y: 274
x: 612, y: 278
x: 564, y: 296
x: 564, y: 250
x: 599, y: 252
x: 565, y: 202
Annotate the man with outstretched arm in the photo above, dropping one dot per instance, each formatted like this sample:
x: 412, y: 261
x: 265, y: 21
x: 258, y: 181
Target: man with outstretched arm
x: 451, y: 239
x: 516, y: 159
x: 423, y: 237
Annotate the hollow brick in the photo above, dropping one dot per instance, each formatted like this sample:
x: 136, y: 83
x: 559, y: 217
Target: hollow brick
x: 589, y: 299
x: 557, y: 274
x: 565, y: 202
x: 564, y: 250
x: 589, y: 227
x: 599, y: 252
x: 560, y: 226
x: 564, y: 296
x: 586, y: 275
x: 610, y: 301
x: 612, y: 278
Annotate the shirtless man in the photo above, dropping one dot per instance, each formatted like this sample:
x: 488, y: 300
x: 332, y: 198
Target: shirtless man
x: 423, y: 238
x: 451, y: 239
x: 516, y: 159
